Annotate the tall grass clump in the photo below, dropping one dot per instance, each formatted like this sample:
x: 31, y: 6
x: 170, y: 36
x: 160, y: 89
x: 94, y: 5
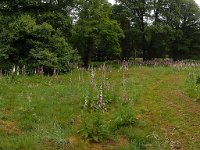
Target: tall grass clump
x: 193, y: 85
x: 94, y: 128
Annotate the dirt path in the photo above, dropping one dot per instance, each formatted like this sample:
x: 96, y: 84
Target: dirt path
x: 175, y: 115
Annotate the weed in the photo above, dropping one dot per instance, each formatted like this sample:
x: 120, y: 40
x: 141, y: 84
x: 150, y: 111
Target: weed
x: 94, y: 129
x: 55, y: 137
x: 139, y: 140
x: 193, y: 85
x: 125, y: 117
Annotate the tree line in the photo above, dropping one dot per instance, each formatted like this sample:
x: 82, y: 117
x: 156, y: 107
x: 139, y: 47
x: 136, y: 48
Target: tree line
x: 55, y: 34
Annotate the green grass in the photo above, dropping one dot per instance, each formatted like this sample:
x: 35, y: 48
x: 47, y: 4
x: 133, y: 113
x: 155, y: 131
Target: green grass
x: 144, y: 108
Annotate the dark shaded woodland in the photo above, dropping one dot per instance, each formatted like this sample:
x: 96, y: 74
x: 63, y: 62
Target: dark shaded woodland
x: 55, y: 34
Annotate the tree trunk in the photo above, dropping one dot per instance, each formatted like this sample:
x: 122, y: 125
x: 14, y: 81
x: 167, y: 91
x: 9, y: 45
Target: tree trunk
x: 143, y: 36
x: 150, y: 51
x: 1, y: 73
x: 144, y: 47
x: 89, y: 51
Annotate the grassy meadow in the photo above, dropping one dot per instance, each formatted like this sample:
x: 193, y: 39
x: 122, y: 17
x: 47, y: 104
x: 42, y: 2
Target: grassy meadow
x: 134, y: 108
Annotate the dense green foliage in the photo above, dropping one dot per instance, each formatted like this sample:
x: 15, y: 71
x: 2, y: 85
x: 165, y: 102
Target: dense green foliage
x: 35, y: 34
x: 159, y: 28
x: 95, y: 34
x: 26, y: 43
x: 54, y: 34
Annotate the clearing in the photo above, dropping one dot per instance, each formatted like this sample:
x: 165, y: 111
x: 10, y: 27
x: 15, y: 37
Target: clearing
x: 144, y: 108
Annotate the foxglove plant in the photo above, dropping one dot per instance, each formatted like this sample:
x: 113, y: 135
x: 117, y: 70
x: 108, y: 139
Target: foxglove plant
x: 92, y: 75
x: 124, y: 65
x: 123, y: 80
x: 13, y: 69
x: 18, y: 69
x: 24, y: 70
x: 100, y: 99
x: 125, y: 94
x: 40, y: 70
x: 86, y: 101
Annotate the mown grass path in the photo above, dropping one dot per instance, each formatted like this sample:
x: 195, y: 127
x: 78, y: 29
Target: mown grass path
x: 172, y: 112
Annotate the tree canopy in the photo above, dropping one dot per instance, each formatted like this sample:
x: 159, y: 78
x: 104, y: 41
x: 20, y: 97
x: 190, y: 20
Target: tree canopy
x: 95, y: 34
x: 163, y: 28
x: 54, y: 34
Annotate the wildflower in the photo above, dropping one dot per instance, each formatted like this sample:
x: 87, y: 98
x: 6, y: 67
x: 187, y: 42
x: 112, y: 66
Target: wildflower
x: 86, y: 101
x: 92, y: 75
x: 100, y: 100
x: 23, y: 69
x: 17, y: 70
x: 13, y: 70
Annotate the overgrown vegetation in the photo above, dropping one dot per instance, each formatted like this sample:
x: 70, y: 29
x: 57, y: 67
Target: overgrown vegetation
x: 193, y: 85
x: 68, y: 79
x: 102, y: 107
